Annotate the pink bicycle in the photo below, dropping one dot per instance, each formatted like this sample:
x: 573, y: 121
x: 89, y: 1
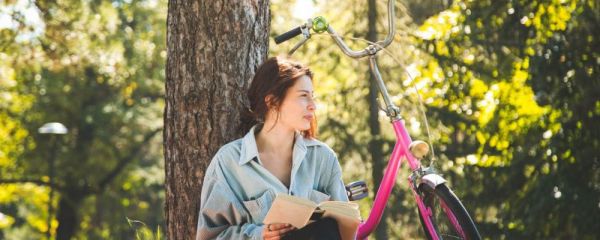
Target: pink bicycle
x: 442, y: 214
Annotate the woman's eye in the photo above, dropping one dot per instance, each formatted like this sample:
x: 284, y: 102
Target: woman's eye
x: 308, y: 96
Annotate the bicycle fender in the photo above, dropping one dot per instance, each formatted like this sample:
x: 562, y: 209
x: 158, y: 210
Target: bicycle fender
x: 433, y: 180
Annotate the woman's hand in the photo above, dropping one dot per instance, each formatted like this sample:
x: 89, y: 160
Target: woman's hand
x: 276, y: 231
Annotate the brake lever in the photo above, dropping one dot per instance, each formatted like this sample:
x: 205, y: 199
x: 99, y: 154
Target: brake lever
x: 305, y: 28
x: 298, y: 45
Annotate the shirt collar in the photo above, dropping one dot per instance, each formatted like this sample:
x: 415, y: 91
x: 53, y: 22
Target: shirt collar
x: 249, y: 150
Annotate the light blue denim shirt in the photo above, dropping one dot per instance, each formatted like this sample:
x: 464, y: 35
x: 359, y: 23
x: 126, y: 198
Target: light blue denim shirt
x: 238, y: 191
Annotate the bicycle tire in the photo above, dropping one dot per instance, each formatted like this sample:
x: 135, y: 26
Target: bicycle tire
x: 445, y: 205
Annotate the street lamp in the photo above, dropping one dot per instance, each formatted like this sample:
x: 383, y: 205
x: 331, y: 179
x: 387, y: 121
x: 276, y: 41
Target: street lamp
x: 52, y: 128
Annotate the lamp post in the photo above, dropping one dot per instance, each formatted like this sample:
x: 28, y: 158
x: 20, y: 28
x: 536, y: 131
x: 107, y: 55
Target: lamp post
x: 52, y: 128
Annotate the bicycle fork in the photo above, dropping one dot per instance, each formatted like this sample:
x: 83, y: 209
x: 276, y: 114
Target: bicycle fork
x: 429, y: 177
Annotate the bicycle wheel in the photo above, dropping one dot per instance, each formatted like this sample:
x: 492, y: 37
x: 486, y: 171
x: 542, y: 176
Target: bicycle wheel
x: 448, y: 215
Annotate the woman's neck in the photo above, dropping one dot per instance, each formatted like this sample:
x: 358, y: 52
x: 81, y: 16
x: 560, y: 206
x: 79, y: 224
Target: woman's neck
x: 278, y: 139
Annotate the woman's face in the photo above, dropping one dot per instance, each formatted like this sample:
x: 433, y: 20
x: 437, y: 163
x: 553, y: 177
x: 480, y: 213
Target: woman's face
x: 298, y: 108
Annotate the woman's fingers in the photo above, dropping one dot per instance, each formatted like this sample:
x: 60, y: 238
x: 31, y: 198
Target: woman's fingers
x: 283, y: 231
x: 277, y: 230
x: 273, y: 235
x: 277, y: 226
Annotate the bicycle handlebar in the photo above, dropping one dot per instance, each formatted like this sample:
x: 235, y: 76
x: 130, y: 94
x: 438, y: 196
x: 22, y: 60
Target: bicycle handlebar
x: 320, y: 25
x: 370, y: 50
x: 288, y: 35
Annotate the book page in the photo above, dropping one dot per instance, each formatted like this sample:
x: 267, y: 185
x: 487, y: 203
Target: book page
x: 289, y: 209
x: 347, y: 208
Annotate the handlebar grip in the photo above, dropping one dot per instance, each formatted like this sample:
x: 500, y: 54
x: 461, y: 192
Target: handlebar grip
x: 286, y: 36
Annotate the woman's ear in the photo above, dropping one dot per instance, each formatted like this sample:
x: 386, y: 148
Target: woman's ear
x: 270, y: 101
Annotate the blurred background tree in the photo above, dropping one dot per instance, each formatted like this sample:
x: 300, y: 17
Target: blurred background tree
x: 97, y: 67
x: 511, y: 90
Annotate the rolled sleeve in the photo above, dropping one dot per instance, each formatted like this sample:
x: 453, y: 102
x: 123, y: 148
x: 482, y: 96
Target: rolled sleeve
x: 221, y: 215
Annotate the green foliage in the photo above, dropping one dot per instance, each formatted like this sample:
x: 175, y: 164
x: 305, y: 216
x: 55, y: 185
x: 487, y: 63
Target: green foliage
x: 143, y: 232
x: 97, y: 67
x: 511, y: 90
x: 526, y: 75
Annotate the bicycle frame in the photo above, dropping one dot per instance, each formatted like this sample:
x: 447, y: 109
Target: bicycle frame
x: 403, y: 140
x: 401, y: 150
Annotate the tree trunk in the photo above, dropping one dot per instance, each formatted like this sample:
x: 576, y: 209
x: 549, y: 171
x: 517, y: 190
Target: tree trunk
x: 376, y: 143
x: 213, y: 50
x: 67, y: 215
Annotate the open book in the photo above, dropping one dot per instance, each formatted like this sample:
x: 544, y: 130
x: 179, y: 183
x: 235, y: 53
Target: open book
x: 299, y: 212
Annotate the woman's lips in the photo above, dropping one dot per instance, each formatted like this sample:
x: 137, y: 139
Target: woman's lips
x: 308, y: 117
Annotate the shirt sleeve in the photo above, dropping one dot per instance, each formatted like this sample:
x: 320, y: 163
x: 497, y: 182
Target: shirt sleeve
x: 336, y: 187
x: 221, y: 215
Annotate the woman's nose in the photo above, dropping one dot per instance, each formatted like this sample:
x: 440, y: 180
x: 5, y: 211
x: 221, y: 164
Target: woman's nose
x: 312, y: 105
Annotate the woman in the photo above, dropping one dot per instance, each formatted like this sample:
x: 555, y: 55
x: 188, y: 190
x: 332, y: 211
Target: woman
x: 279, y: 154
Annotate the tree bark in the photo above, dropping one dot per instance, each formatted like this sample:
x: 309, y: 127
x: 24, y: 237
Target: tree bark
x: 213, y: 50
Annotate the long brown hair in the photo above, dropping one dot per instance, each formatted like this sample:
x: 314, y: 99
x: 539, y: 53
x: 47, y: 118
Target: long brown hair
x: 274, y: 77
